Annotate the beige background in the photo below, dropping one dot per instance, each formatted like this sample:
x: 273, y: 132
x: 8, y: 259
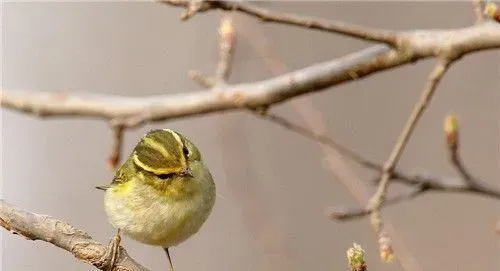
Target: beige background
x: 273, y: 185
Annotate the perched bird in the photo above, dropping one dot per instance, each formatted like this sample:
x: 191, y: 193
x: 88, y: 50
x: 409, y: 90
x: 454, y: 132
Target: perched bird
x: 163, y: 193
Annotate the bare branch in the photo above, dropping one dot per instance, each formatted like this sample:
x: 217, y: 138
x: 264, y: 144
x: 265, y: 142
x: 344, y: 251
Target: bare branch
x: 122, y: 112
x: 451, y: 129
x: 478, y: 10
x: 379, y: 196
x: 356, y: 31
x: 227, y: 41
x: 422, y: 184
x: 321, y: 139
x: 131, y: 111
x: 59, y: 233
x: 430, y: 182
x: 116, y: 151
x: 201, y: 79
x: 344, y: 213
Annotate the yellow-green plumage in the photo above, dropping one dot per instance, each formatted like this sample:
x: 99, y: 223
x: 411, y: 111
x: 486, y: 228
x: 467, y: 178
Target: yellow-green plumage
x: 163, y: 193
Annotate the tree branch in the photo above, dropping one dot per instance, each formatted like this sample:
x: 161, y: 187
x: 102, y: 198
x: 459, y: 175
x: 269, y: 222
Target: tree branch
x: 116, y: 151
x: 422, y: 184
x: 59, y: 233
x: 319, y: 138
x: 131, y: 111
x: 389, y: 166
x: 379, y: 196
x: 478, y: 10
x: 122, y: 112
x: 356, y: 31
x: 344, y: 213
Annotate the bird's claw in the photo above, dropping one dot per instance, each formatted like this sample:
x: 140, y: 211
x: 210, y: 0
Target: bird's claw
x: 113, y: 251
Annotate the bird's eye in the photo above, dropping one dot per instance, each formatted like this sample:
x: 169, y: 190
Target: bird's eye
x: 165, y: 176
x: 185, y: 151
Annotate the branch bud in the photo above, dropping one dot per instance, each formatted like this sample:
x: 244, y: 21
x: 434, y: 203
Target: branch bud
x: 451, y: 131
x: 491, y: 10
x: 227, y: 32
x: 386, y: 252
x: 356, y: 258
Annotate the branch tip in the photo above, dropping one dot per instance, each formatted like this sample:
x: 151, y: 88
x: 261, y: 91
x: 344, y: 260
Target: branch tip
x: 356, y: 258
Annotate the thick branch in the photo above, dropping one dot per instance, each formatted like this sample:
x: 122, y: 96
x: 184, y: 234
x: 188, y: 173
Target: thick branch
x: 130, y: 111
x: 59, y: 233
x: 356, y: 31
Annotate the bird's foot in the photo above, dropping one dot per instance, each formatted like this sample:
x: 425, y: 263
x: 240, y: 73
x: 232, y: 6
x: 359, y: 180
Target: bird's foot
x: 113, y: 252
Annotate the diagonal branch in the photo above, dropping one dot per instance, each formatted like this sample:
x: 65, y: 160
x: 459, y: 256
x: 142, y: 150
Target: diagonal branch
x: 434, y: 78
x: 421, y: 183
x: 321, y: 139
x: 356, y: 31
x: 430, y: 182
x: 379, y: 196
x: 131, y: 111
x: 59, y: 233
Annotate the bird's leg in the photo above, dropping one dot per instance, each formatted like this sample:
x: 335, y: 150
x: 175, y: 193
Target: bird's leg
x: 113, y: 250
x: 171, y: 266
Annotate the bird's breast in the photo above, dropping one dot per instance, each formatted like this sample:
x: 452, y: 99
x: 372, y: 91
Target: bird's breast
x: 162, y: 217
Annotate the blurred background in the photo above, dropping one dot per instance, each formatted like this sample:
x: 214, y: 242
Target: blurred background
x: 273, y: 185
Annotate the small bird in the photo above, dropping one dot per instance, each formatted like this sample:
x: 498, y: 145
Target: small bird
x: 163, y: 193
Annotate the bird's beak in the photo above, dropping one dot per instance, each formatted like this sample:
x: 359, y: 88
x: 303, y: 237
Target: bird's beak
x: 187, y: 172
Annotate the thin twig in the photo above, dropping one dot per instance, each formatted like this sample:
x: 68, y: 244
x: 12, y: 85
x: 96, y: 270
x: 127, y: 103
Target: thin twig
x: 59, y: 233
x: 351, y: 30
x: 478, y: 11
x: 430, y: 183
x: 201, y: 79
x: 480, y: 187
x: 263, y: 229
x: 116, y: 151
x: 422, y: 184
x: 379, y: 196
x: 452, y: 136
x: 316, y: 124
x: 227, y: 41
x: 319, y: 138
x: 344, y: 213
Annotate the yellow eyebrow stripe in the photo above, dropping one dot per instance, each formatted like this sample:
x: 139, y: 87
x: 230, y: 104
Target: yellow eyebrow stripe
x: 157, y: 146
x: 175, y: 135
